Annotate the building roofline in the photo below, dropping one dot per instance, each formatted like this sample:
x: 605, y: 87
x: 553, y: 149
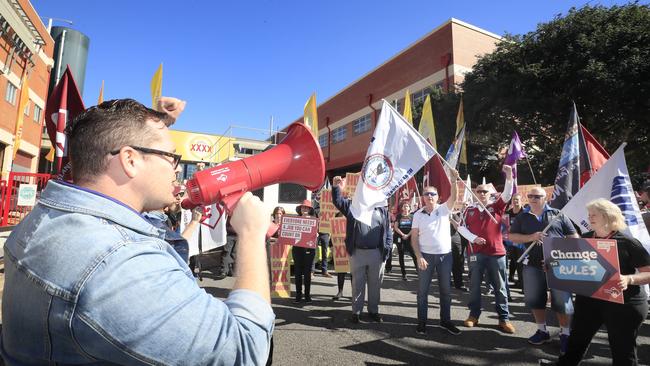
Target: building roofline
x: 413, y: 44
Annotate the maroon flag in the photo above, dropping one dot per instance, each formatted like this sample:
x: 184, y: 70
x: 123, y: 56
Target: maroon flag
x: 63, y: 104
x: 436, y: 176
x: 592, y: 155
x: 407, y: 192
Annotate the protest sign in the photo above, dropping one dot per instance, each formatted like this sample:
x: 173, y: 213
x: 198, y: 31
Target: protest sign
x: 327, y: 211
x: 587, y: 267
x: 298, y: 231
x: 280, y: 281
x: 212, y: 229
x: 351, y: 181
x: 341, y: 259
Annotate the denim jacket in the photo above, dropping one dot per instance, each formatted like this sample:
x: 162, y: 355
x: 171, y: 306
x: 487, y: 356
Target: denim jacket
x: 351, y: 229
x: 89, y: 281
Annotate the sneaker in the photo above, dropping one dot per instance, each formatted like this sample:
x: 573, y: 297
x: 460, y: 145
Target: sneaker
x: 354, y: 318
x: 450, y: 327
x: 326, y: 274
x: 471, y: 322
x: 307, y: 299
x: 405, y: 278
x: 337, y: 296
x: 564, y: 343
x: 462, y: 288
x: 543, y: 362
x: 421, y: 328
x: 297, y: 299
x: 375, y: 317
x: 506, y: 327
x: 540, y: 337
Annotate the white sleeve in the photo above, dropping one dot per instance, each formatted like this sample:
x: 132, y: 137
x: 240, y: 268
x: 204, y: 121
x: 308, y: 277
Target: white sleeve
x: 467, y: 234
x: 507, y: 191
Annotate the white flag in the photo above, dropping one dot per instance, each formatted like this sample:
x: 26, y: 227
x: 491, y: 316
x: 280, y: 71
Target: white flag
x: 611, y: 182
x: 213, y: 229
x: 467, y: 194
x: 397, y: 151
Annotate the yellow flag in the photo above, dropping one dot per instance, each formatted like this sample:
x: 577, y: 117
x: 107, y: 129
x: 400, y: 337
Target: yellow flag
x: 427, y: 125
x: 100, y: 100
x: 156, y: 87
x: 22, y: 103
x: 460, y: 122
x: 50, y: 155
x: 408, y: 113
x: 311, y: 115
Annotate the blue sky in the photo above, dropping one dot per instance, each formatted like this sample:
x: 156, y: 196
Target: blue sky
x: 241, y: 62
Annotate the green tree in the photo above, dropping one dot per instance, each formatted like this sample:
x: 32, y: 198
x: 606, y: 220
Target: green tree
x: 595, y: 56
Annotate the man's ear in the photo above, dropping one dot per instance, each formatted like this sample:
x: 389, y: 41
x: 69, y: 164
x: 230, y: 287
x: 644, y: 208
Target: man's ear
x: 130, y: 161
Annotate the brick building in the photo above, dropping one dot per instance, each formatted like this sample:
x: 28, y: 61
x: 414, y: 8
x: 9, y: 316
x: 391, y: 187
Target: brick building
x: 437, y: 60
x: 25, y: 47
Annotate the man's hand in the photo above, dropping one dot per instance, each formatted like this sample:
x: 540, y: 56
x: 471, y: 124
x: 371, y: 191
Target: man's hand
x: 479, y: 240
x: 454, y: 175
x: 507, y: 169
x: 422, y: 263
x: 172, y: 106
x: 537, y: 237
x: 197, y: 214
x: 624, y: 282
x: 338, y: 182
x: 250, y: 217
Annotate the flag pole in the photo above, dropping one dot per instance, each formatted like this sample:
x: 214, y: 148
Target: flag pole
x: 531, y: 169
x: 470, y: 189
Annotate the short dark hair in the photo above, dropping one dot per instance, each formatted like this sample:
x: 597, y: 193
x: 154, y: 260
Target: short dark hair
x: 107, y: 127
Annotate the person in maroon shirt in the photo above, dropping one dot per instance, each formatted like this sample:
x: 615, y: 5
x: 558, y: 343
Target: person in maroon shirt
x: 486, y: 253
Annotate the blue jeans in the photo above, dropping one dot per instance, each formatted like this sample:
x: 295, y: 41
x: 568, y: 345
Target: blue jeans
x: 535, y: 292
x: 441, y: 263
x: 495, y: 269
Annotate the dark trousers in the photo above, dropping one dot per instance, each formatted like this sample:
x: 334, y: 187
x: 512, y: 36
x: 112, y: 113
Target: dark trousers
x: 622, y: 322
x: 514, y: 252
x: 228, y: 257
x: 323, y: 242
x: 302, y: 262
x: 340, y: 280
x: 458, y: 249
x: 403, y: 246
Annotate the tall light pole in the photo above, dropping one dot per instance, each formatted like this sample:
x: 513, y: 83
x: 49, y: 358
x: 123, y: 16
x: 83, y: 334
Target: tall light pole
x: 50, y: 20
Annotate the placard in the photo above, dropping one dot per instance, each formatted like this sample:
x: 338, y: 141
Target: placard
x: 26, y: 195
x: 299, y: 231
x: 327, y: 211
x: 280, y: 281
x: 340, y: 255
x: 587, y: 267
x: 351, y: 181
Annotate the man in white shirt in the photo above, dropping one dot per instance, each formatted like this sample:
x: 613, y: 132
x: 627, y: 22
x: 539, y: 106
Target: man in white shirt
x: 431, y: 241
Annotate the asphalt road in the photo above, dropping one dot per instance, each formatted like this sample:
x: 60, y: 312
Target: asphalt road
x: 320, y: 333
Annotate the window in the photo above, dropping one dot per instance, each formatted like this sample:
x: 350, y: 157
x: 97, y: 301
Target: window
x: 420, y: 96
x: 322, y: 140
x: 10, y: 96
x: 338, y: 134
x: 27, y: 108
x: 362, y: 124
x: 292, y: 193
x: 37, y: 114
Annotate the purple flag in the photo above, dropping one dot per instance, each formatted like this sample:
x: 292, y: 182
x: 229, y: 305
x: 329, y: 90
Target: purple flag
x: 515, y: 153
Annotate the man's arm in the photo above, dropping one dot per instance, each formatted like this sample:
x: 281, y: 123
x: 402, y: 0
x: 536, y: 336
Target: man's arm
x: 453, y: 198
x: 340, y: 202
x: 197, y: 214
x: 507, y: 187
x: 250, y: 220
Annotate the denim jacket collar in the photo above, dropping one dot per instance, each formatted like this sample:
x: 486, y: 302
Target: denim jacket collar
x: 68, y: 197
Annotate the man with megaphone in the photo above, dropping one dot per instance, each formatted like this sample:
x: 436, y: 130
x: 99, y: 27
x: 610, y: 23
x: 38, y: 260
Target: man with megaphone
x: 88, y: 279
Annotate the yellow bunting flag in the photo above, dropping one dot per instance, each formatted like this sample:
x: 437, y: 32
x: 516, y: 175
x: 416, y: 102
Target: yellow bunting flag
x: 100, y: 100
x: 311, y: 115
x: 427, y: 125
x: 22, y: 103
x: 408, y: 113
x: 156, y: 87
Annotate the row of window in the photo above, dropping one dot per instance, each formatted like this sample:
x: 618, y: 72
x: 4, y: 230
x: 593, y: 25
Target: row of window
x: 12, y: 94
x: 359, y: 126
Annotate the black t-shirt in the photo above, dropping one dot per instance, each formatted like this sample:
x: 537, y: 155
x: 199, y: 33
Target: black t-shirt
x: 631, y: 255
x: 404, y: 223
x: 527, y: 223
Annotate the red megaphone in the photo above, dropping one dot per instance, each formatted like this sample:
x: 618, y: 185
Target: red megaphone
x: 296, y: 159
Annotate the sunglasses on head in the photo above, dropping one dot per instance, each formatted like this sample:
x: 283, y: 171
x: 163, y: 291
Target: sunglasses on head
x: 431, y: 194
x: 535, y: 196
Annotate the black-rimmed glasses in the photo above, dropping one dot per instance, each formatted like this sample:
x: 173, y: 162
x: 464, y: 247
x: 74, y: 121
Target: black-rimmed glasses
x: 146, y: 150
